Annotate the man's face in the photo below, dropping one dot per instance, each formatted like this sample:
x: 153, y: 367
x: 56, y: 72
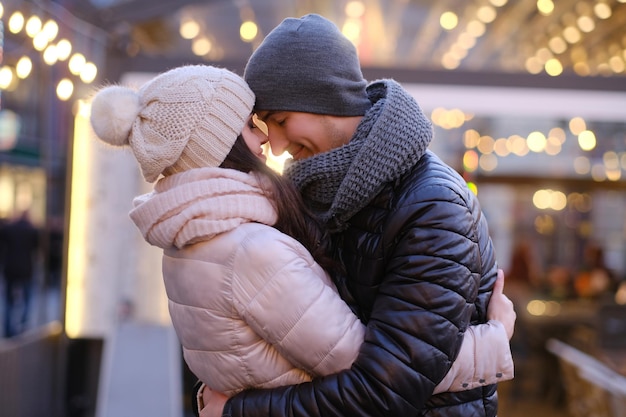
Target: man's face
x: 303, y: 134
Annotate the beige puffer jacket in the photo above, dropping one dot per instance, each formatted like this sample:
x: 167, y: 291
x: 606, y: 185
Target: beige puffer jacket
x: 250, y: 306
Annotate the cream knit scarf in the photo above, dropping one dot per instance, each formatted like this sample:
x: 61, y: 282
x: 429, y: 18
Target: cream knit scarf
x: 392, y: 137
x: 198, y: 204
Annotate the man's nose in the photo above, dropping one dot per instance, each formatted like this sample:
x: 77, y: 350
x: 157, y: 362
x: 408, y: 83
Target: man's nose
x: 278, y: 143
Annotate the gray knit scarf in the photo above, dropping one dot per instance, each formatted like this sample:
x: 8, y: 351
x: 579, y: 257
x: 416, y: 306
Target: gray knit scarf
x: 391, y: 138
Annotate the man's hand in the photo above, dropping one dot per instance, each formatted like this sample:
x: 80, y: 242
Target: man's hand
x: 213, y: 403
x: 501, y: 307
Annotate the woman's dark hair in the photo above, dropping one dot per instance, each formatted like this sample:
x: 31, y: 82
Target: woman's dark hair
x: 294, y: 218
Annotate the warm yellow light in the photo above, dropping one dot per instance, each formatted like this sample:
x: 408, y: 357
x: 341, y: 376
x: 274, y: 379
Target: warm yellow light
x: 544, y: 224
x: 16, y: 22
x: 277, y: 163
x: 40, y: 41
x: 613, y: 174
x: 552, y: 199
x: 571, y: 34
x: 23, y: 67
x: 582, y: 69
x: 50, y: 29
x: 488, y: 162
x: 6, y: 77
x: 536, y: 141
x: 554, y: 67
x: 65, y: 89
x: 598, y: 173
x: 471, y: 138
x: 577, y: 125
x: 189, y: 29
x: 1, y: 10
x: 558, y: 134
x: 76, y: 64
x: 470, y: 161
x: 585, y: 24
x: 541, y: 199
x: 500, y: 147
x: 33, y: 26
x: 201, y: 46
x: 544, y: 55
x: 558, y: 200
x: 89, y: 72
x: 602, y: 10
x: 557, y: 45
x: 7, y: 191
x: 498, y: 3
x: 533, y: 65
x: 11, y: 124
x: 50, y: 55
x: 617, y: 64
x: 448, y: 20
x: 536, y: 307
x: 77, y: 241
x: 486, y: 14
x: 545, y: 7
x: 450, y: 62
x: 553, y: 146
x: 476, y: 28
x: 352, y: 30
x: 466, y: 40
x: 518, y: 145
x: 587, y: 140
x: 553, y: 308
x: 355, y: 9
x: 248, y: 31
x: 64, y: 49
x: 611, y: 160
x: 485, y: 144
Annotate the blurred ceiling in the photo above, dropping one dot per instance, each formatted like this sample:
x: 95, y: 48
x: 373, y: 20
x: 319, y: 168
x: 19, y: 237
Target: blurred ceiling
x: 585, y: 39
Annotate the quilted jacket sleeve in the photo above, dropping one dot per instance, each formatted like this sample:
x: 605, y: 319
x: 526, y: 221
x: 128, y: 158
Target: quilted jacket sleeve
x: 435, y: 273
x: 485, y: 358
x: 289, y: 301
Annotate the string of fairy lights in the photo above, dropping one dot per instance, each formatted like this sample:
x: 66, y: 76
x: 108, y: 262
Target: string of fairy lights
x: 38, y: 34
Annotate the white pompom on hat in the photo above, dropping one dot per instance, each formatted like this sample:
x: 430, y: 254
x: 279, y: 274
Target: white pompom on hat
x: 185, y: 118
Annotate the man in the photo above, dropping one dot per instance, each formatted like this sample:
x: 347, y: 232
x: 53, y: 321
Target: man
x: 420, y: 264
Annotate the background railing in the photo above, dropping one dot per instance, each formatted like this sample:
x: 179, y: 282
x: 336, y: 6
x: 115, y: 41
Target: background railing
x: 31, y: 376
x: 591, y: 388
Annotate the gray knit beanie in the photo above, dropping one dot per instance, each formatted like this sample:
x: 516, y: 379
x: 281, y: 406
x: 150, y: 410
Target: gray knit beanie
x: 188, y: 117
x: 307, y: 65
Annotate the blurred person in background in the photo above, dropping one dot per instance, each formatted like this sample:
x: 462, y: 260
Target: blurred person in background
x: 19, y: 247
x: 243, y: 257
x: 524, y: 274
x: 594, y: 280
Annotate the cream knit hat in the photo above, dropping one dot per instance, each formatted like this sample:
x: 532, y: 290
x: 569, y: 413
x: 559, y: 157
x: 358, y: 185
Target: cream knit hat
x: 188, y: 117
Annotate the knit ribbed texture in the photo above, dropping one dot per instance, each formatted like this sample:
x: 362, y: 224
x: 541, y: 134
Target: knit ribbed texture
x: 185, y: 118
x: 196, y: 205
x: 392, y: 137
x: 307, y: 65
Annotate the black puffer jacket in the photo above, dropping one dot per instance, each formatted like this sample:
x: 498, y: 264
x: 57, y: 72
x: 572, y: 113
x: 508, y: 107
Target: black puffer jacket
x: 421, y: 269
x: 428, y: 239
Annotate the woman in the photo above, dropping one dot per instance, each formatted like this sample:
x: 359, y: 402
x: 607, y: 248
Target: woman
x: 243, y: 259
